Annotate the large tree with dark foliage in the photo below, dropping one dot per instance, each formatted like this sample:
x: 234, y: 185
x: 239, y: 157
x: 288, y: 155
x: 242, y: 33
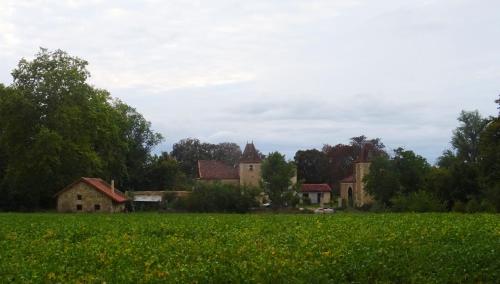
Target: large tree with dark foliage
x: 489, y: 161
x: 403, y: 173
x: 341, y: 157
x: 312, y: 166
x: 277, y: 176
x: 55, y: 127
x: 190, y: 150
x: 465, y: 138
x: 163, y: 173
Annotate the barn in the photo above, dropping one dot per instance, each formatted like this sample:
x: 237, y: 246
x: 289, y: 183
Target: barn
x: 90, y: 195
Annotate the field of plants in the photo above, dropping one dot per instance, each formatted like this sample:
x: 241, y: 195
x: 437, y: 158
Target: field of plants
x: 218, y: 248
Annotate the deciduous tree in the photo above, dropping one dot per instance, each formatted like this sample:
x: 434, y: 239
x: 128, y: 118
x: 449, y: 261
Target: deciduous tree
x: 466, y: 136
x: 277, y: 176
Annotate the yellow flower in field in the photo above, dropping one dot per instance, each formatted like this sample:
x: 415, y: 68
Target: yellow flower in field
x: 51, y: 276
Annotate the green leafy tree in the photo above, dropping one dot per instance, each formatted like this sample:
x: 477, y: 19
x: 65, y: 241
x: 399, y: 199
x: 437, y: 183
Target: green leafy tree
x: 139, y: 140
x: 312, y: 166
x: 411, y: 170
x: 341, y: 157
x: 466, y: 136
x: 383, y: 181
x: 489, y: 163
x: 439, y: 182
x: 404, y: 173
x: 190, y: 150
x: 277, y: 176
x: 163, y: 173
x: 187, y: 152
x: 56, y: 127
x: 219, y: 197
x: 227, y: 152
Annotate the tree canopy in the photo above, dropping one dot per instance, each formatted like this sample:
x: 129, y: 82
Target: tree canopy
x: 190, y: 150
x: 277, y: 176
x: 56, y: 127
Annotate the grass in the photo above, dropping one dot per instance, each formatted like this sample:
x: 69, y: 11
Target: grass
x: 219, y: 248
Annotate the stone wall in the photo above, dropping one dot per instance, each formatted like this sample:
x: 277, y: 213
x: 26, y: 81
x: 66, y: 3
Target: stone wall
x: 361, y: 197
x: 250, y: 174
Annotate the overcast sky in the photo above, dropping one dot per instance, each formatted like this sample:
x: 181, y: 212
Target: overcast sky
x: 288, y: 75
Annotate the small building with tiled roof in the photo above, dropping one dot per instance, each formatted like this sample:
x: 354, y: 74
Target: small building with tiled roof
x: 352, y: 188
x: 90, y: 195
x: 315, y: 193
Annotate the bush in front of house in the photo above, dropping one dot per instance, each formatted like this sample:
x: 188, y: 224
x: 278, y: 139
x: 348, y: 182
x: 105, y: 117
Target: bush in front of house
x: 219, y: 197
x: 420, y: 201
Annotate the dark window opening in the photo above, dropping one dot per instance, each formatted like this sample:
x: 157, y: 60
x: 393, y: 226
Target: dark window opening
x: 349, y: 197
x: 97, y: 207
x: 250, y: 167
x: 79, y: 207
x: 79, y: 197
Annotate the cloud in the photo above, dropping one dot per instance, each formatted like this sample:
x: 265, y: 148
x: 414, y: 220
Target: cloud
x: 288, y: 74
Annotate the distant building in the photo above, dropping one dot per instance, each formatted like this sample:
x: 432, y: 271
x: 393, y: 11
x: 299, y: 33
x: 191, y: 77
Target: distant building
x: 247, y: 172
x: 352, y: 188
x: 318, y: 193
x: 155, y: 199
x: 90, y: 195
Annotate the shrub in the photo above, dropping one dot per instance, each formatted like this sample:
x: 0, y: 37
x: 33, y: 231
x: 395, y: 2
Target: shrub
x: 458, y: 206
x: 218, y: 197
x: 306, y: 200
x: 473, y: 206
x: 420, y: 201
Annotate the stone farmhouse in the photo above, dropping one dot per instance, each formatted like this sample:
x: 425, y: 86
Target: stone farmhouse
x: 247, y: 172
x: 352, y: 188
x: 90, y: 195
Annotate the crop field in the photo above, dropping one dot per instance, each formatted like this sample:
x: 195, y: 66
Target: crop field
x: 221, y: 248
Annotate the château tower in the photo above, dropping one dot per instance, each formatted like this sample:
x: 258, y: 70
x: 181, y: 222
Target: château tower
x: 250, y: 163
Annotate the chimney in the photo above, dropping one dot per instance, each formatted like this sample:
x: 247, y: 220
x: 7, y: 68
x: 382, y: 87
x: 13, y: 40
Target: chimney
x: 113, y: 186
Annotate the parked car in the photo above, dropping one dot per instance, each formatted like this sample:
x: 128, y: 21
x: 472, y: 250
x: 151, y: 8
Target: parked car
x: 324, y: 210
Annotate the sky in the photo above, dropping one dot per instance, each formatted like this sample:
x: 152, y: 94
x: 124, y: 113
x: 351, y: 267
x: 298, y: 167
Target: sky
x: 287, y: 75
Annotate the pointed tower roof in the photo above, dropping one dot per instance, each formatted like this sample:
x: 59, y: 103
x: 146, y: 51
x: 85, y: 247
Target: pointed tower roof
x: 250, y: 154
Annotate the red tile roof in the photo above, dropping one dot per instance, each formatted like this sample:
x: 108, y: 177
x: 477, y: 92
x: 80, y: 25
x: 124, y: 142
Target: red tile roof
x: 315, y: 187
x: 348, y: 179
x: 250, y: 154
x: 99, y: 185
x: 211, y: 169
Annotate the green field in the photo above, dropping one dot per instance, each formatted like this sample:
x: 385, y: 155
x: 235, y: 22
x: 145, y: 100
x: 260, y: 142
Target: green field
x: 418, y: 248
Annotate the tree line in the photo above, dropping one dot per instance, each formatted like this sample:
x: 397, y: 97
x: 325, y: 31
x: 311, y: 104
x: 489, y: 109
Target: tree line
x: 56, y: 127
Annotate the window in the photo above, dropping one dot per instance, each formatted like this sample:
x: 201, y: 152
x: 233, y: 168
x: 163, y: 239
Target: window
x: 306, y: 195
x: 78, y: 197
x: 250, y: 167
x: 97, y: 207
x: 79, y: 207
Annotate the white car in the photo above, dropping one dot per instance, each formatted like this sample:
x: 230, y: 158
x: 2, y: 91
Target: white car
x: 324, y: 210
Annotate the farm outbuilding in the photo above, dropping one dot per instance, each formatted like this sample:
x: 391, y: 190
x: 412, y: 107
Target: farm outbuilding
x: 90, y: 195
x: 317, y: 193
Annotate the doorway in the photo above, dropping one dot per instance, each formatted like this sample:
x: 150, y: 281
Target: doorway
x: 349, y: 197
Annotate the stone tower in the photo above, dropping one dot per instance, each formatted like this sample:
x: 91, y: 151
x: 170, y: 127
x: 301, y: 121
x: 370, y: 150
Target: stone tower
x: 361, y: 169
x: 250, y: 163
x: 352, y: 188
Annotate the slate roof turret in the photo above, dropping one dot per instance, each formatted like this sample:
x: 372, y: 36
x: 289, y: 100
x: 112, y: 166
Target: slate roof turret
x: 250, y: 154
